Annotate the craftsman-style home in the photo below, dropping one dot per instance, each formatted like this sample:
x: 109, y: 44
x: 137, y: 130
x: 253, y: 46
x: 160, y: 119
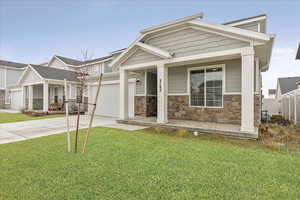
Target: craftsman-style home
x: 185, y: 73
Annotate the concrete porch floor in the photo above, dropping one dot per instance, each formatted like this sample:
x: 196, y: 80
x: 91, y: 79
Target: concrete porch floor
x: 192, y: 125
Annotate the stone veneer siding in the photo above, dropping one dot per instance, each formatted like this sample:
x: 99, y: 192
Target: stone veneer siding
x: 257, y: 109
x: 145, y: 106
x: 178, y: 108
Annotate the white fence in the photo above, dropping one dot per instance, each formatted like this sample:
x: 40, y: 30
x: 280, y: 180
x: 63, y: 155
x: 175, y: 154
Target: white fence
x: 290, y: 106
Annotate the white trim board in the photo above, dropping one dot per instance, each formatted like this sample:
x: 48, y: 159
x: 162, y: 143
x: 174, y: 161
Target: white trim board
x: 132, y: 80
x: 178, y: 94
x: 154, y: 50
x: 173, y: 61
x: 174, y: 22
x: 231, y: 30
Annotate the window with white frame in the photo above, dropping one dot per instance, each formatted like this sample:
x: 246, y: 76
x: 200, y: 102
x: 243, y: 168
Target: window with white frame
x: 206, y: 86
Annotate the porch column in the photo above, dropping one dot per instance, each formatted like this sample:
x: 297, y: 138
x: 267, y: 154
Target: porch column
x: 46, y: 96
x: 162, y: 94
x: 257, y: 76
x: 123, y: 94
x: 23, y: 97
x: 247, y: 121
x: 290, y: 113
x: 295, y: 107
x: 30, y: 97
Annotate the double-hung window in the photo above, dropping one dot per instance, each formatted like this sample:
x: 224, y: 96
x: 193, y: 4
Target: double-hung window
x: 206, y: 86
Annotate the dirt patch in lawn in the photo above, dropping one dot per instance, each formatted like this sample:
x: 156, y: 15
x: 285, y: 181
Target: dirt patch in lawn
x: 284, y: 138
x: 272, y: 136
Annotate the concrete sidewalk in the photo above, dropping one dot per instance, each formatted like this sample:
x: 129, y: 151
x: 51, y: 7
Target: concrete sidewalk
x: 18, y: 131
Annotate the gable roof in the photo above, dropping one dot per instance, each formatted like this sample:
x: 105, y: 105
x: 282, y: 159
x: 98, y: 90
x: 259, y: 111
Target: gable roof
x: 288, y: 84
x: 192, y: 21
x: 69, y: 61
x: 55, y: 74
x: 12, y: 64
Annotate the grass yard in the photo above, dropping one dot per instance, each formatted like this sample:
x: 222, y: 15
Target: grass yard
x: 146, y: 165
x: 19, y: 117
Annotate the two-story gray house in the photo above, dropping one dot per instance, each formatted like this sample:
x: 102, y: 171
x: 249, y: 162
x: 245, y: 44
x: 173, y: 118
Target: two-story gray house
x: 10, y: 72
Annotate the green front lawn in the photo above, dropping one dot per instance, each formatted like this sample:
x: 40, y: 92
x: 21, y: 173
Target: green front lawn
x: 145, y: 165
x: 19, y: 117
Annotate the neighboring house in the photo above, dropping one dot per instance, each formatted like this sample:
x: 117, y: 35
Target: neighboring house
x: 270, y: 104
x: 41, y: 86
x: 10, y: 73
x: 187, y: 69
x: 288, y: 98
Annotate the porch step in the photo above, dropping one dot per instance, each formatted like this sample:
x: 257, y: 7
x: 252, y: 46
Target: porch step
x: 231, y: 133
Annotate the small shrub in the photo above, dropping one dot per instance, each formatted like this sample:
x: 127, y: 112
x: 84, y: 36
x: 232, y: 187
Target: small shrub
x: 280, y: 120
x: 182, y: 132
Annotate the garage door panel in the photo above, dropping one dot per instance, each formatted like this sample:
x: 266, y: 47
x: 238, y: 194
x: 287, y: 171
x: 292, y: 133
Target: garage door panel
x: 16, y: 100
x: 109, y: 100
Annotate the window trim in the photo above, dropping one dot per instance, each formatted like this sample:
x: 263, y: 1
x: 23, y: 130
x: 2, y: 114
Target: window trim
x: 204, y: 68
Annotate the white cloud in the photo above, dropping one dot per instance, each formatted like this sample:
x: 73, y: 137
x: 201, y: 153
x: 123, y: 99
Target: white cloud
x: 283, y: 64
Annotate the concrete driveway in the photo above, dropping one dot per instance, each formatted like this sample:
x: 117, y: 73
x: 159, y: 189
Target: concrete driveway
x: 18, y: 131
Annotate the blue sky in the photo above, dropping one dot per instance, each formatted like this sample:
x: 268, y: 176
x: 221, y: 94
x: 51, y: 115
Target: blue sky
x: 32, y: 31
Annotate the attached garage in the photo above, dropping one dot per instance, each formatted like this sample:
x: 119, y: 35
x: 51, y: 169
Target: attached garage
x: 16, y: 99
x: 109, y: 100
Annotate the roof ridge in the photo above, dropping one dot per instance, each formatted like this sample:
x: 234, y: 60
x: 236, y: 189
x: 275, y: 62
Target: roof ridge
x: 13, y: 62
x: 67, y: 58
x: 35, y: 65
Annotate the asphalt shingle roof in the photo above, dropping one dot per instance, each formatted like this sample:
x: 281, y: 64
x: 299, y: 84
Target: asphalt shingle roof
x: 69, y: 61
x: 288, y: 84
x: 55, y: 74
x: 12, y: 64
x: 94, y: 60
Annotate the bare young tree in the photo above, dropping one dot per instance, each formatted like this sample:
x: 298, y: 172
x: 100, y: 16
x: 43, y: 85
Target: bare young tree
x: 82, y: 73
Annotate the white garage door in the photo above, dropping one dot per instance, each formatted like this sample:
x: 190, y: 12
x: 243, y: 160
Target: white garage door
x: 109, y: 100
x: 16, y: 99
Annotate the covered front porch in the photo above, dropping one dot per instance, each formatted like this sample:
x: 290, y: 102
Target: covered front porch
x: 44, y: 97
x: 227, y: 112
x: 206, y: 73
